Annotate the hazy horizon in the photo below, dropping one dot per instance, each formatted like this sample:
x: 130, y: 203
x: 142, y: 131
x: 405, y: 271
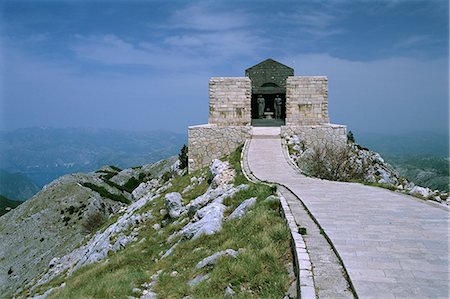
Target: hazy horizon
x: 141, y: 66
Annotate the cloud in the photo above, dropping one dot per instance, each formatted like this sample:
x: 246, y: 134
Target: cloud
x: 315, y: 23
x: 413, y: 41
x: 204, y: 49
x: 38, y: 37
x: 202, y: 16
x: 109, y: 49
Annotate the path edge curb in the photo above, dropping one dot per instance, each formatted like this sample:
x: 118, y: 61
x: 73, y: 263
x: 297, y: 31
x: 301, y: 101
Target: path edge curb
x: 302, y: 262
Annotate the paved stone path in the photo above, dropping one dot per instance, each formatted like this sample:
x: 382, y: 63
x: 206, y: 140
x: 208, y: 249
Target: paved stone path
x: 392, y: 245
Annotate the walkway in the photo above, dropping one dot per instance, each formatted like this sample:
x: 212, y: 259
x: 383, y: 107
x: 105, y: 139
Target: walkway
x: 392, y: 245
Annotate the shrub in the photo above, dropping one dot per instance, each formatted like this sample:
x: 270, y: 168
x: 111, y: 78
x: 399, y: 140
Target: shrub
x: 334, y: 162
x: 183, y: 157
x: 350, y: 137
x: 131, y: 184
x: 93, y: 221
x: 105, y: 193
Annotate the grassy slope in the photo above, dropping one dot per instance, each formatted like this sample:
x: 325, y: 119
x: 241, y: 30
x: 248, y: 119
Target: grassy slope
x: 258, y: 272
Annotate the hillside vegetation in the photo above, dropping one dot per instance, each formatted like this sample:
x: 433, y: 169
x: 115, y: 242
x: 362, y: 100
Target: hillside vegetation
x: 16, y: 186
x: 428, y: 171
x: 7, y: 205
x: 209, y: 234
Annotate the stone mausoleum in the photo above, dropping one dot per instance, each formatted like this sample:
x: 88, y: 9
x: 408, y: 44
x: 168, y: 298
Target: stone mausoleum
x: 268, y: 96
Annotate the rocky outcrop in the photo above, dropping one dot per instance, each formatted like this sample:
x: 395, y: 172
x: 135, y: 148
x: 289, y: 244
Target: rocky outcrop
x: 375, y: 169
x: 212, y: 259
x: 52, y: 224
x: 242, y: 208
x: 174, y: 204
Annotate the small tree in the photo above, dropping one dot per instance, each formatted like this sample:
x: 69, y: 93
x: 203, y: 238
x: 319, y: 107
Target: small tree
x: 183, y: 157
x: 350, y: 137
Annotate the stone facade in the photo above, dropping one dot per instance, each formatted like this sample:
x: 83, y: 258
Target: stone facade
x: 318, y: 134
x: 229, y: 121
x: 208, y: 142
x: 307, y: 101
x: 230, y: 101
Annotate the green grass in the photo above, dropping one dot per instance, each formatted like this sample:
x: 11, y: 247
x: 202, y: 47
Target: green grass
x: 258, y: 272
x: 380, y: 185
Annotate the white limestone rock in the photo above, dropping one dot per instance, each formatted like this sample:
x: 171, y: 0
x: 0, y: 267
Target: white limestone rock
x: 222, y: 172
x: 198, y: 279
x: 145, y: 188
x: 294, y: 140
x: 220, y: 193
x: 242, y: 208
x: 174, y: 204
x: 210, y: 221
x: 229, y: 293
x: 420, y: 191
x: 212, y: 259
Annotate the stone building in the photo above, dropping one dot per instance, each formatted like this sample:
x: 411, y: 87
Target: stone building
x: 268, y: 95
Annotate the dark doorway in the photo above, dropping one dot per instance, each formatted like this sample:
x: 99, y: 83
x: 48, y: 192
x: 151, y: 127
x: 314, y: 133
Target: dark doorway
x: 269, y: 119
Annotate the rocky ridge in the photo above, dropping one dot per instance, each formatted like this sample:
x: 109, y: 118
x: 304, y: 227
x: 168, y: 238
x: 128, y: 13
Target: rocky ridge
x: 204, y: 215
x: 58, y: 219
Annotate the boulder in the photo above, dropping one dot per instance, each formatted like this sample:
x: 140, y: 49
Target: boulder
x: 210, y: 221
x: 420, y: 191
x: 174, y: 204
x: 212, y: 259
x: 242, y: 208
x: 197, y: 279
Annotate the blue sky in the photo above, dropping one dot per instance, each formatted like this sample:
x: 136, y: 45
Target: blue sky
x: 145, y: 65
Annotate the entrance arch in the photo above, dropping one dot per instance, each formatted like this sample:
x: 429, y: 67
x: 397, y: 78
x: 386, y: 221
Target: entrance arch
x: 268, y: 82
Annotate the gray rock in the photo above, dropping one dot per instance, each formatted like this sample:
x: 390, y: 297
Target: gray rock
x: 212, y: 259
x: 198, y: 279
x: 174, y: 204
x: 219, y: 194
x: 170, y: 250
x: 210, y: 221
x: 222, y: 173
x: 242, y: 208
x: 272, y: 198
x: 420, y: 191
x: 229, y: 293
x: 99, y: 245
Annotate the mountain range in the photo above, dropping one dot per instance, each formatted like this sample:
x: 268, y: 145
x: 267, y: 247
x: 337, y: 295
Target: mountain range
x: 43, y: 154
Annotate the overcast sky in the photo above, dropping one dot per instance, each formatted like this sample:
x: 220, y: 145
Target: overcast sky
x: 145, y: 65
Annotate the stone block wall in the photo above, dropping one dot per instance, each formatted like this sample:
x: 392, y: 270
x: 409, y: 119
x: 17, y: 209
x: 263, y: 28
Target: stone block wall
x: 307, y: 100
x: 208, y: 142
x: 230, y: 101
x: 318, y: 134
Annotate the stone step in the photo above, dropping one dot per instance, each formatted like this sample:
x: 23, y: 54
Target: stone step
x: 266, y: 131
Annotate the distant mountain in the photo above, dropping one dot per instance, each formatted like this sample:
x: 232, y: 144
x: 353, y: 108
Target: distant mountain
x: 421, y: 157
x: 44, y: 154
x: 406, y: 144
x: 428, y: 171
x: 6, y: 204
x: 16, y: 186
